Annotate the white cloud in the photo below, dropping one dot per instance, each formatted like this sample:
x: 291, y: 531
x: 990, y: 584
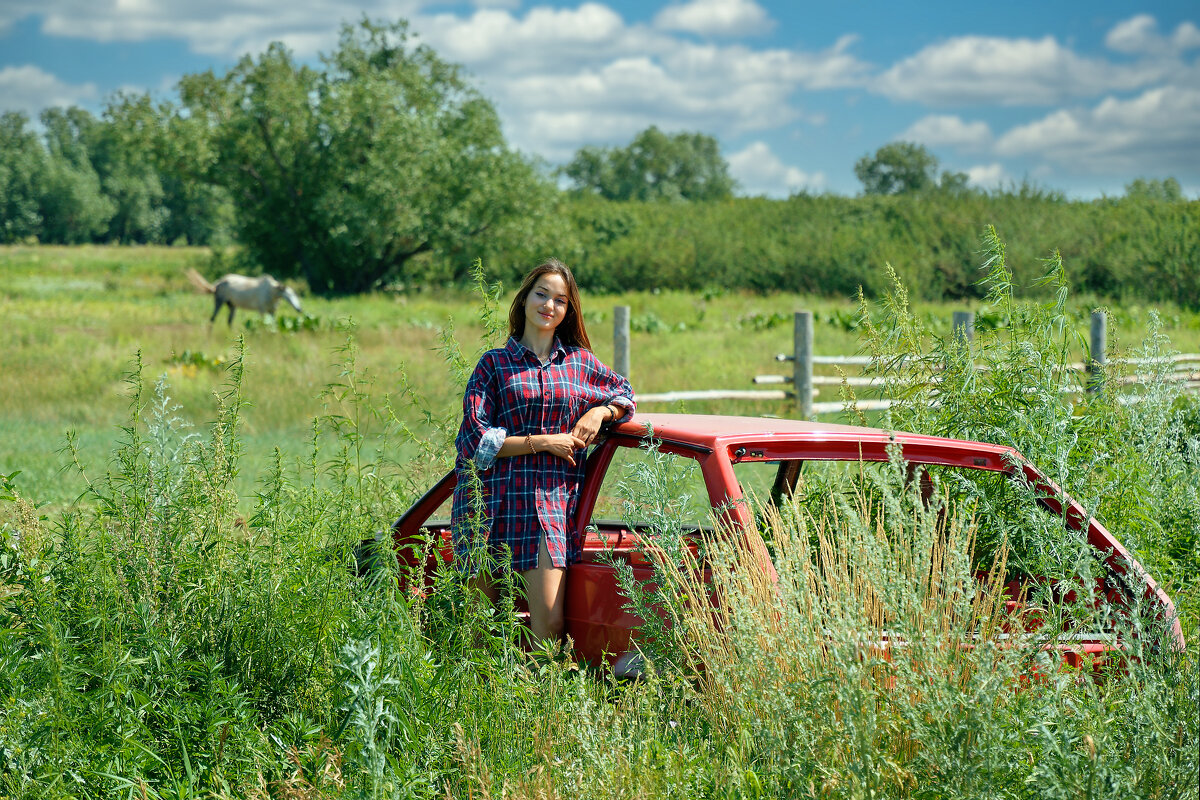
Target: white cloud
x: 987, y: 176
x: 30, y: 89
x: 981, y: 69
x: 495, y: 39
x: 1140, y: 35
x: 1155, y: 132
x: 939, y: 130
x: 715, y: 18
x: 227, y: 28
x: 562, y: 78
x: 13, y: 11
x: 760, y: 172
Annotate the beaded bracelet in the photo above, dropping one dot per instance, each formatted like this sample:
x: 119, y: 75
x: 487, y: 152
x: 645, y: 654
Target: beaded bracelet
x: 529, y: 443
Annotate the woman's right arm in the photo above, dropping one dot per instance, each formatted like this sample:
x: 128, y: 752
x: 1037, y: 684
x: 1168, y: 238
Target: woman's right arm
x: 482, y: 439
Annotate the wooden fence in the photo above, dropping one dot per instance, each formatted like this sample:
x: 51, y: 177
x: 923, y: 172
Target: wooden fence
x: 805, y: 384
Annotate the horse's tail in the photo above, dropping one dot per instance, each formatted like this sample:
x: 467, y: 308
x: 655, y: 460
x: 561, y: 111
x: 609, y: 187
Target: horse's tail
x: 198, y: 281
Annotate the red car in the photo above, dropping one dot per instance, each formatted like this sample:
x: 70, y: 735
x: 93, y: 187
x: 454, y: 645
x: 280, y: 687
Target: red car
x: 718, y: 459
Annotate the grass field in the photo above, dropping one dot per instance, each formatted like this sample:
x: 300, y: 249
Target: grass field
x: 75, y: 319
x: 192, y: 629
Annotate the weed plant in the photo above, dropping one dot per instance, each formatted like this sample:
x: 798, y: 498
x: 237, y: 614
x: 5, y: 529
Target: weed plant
x: 871, y: 661
x: 1122, y: 438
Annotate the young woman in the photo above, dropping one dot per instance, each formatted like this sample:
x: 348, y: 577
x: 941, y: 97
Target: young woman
x: 529, y: 410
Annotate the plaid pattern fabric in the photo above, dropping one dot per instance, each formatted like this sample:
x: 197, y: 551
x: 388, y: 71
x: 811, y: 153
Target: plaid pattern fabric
x: 511, y: 393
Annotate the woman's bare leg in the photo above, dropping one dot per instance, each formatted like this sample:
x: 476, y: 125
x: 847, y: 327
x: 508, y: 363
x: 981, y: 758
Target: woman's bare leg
x: 545, y: 587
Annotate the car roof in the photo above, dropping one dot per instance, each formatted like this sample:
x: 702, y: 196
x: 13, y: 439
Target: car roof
x: 715, y: 431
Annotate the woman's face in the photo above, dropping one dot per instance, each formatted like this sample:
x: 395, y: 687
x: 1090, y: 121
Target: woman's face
x: 546, y: 303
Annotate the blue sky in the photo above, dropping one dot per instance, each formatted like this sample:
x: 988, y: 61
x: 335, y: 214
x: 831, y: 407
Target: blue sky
x: 1081, y: 97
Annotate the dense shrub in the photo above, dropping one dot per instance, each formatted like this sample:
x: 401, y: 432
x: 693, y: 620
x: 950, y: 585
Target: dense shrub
x: 829, y: 245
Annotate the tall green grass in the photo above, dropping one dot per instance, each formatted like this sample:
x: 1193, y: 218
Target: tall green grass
x: 1131, y: 458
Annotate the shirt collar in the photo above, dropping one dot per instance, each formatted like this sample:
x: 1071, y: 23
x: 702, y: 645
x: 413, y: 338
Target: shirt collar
x: 518, y: 350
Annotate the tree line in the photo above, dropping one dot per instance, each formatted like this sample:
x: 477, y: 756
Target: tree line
x: 383, y: 166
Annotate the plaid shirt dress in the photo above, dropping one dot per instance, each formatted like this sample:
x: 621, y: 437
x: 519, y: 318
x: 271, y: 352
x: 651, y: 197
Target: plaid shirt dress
x: 523, y: 497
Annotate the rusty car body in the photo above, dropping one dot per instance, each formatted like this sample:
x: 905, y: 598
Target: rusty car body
x: 719, y: 449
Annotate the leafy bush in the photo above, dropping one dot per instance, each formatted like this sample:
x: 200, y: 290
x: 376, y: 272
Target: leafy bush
x: 830, y: 246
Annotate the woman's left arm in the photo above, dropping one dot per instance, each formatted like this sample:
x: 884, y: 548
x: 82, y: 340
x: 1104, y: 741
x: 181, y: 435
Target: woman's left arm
x: 617, y: 401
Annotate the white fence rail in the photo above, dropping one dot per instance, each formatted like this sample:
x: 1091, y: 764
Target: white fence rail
x: 1185, y: 367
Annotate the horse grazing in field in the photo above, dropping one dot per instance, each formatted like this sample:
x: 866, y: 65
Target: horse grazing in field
x: 237, y: 291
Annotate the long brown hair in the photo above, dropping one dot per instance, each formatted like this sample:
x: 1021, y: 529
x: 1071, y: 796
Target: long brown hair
x: 570, y: 331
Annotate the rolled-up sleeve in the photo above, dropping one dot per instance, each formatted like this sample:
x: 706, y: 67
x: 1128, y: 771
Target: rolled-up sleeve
x: 479, y: 437
x: 616, y: 389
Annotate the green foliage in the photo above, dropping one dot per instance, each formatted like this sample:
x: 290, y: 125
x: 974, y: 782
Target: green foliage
x: 197, y: 358
x: 110, y: 179
x: 7, y: 486
x: 176, y: 152
x: 901, y: 168
x: 655, y: 166
x: 287, y: 323
x: 763, y: 322
x: 1131, y: 460
x: 653, y: 324
x: 830, y: 246
x: 347, y: 173
x: 21, y: 167
x: 176, y: 645
x: 1166, y: 190
x: 73, y: 206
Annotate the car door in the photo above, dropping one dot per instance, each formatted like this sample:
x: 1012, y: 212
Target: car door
x: 616, y: 505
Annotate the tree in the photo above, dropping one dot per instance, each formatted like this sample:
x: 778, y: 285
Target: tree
x: 347, y: 173
x: 1165, y: 189
x: 73, y: 206
x: 655, y: 166
x: 904, y: 168
x: 123, y: 156
x: 157, y: 163
x: 22, y: 160
x: 954, y: 182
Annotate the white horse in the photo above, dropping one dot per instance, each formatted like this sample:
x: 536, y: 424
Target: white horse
x: 237, y: 291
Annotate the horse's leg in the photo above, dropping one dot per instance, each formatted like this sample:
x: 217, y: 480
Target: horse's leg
x: 216, y: 308
x: 231, y: 315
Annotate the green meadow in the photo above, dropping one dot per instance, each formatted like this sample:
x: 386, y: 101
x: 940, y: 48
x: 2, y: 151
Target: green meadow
x: 77, y: 317
x: 180, y: 616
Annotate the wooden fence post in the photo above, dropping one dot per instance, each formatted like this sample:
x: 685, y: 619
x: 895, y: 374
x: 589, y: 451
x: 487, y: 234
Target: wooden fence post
x: 964, y: 325
x: 1099, y: 354
x: 802, y: 373
x: 621, y: 340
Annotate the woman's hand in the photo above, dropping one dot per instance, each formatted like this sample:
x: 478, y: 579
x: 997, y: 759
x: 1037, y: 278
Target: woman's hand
x: 589, y: 424
x: 562, y: 445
